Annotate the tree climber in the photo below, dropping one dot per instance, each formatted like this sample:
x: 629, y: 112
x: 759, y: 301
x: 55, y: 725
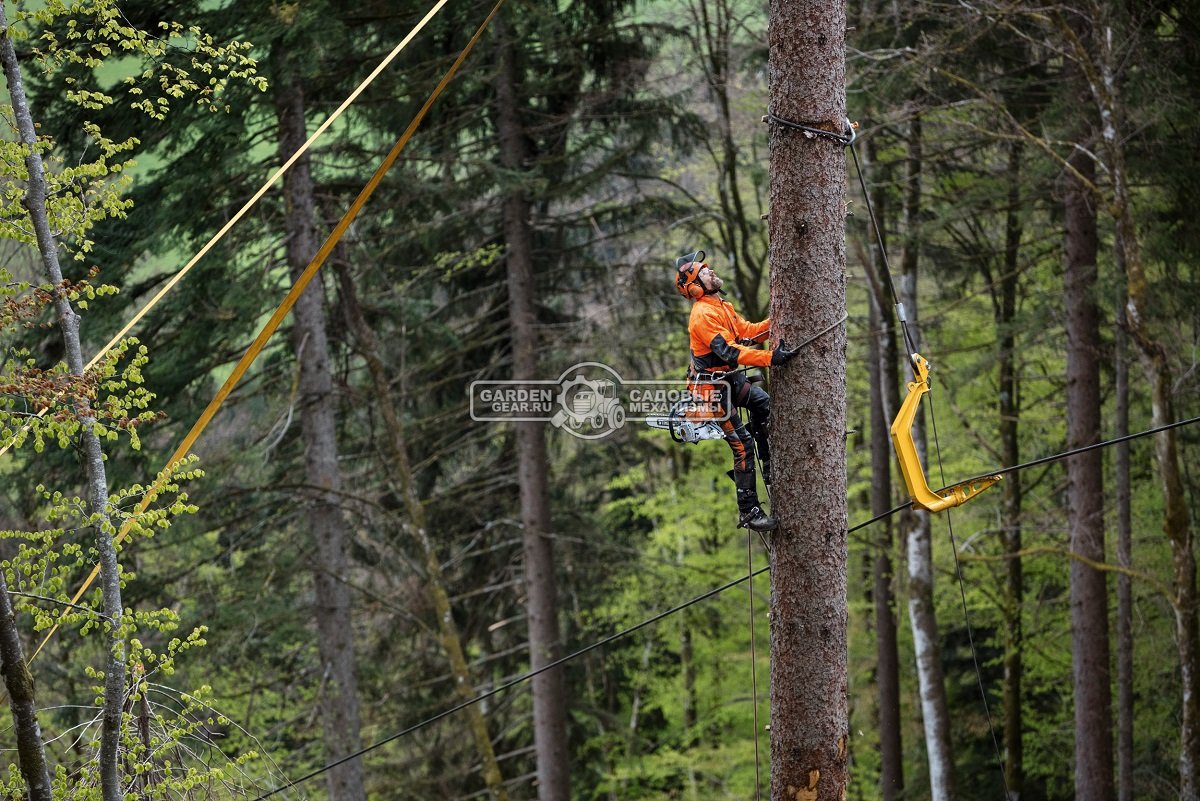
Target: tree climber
x: 721, y: 340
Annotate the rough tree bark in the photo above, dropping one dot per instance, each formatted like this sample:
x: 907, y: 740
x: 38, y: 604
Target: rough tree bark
x: 922, y: 616
x: 549, y: 688
x: 809, y: 709
x: 1085, y: 492
x: 335, y: 631
x: 400, y: 476
x: 97, y: 480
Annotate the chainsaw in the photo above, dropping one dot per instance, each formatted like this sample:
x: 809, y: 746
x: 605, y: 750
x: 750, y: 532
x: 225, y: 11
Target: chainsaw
x: 685, y: 430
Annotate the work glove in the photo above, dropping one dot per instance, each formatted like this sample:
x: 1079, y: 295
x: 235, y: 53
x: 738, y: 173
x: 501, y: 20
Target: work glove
x: 783, y: 354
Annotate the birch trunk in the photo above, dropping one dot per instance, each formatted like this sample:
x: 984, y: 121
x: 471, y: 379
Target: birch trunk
x: 97, y: 481
x: 335, y: 631
x: 549, y: 688
x: 809, y: 709
x: 919, y: 541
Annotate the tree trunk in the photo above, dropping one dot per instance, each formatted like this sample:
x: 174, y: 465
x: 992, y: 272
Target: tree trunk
x: 930, y: 677
x: 1010, y: 413
x: 1125, y: 560
x: 887, y: 660
x: 97, y: 480
x: 921, y: 609
x: 1176, y: 515
x: 1085, y: 494
x: 883, y: 359
x: 335, y: 631
x: 399, y: 473
x: 809, y: 708
x: 549, y: 688
x: 31, y: 749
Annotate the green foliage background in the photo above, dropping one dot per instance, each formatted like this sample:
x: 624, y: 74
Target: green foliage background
x: 630, y: 144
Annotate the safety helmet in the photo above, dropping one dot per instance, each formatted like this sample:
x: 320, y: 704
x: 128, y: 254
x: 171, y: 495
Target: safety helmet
x: 687, y: 275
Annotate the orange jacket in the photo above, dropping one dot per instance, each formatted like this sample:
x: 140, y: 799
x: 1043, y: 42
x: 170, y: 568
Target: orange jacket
x: 715, y: 328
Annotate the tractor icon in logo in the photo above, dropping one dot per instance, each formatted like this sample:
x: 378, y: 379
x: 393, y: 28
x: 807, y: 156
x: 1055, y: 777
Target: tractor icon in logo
x: 585, y: 402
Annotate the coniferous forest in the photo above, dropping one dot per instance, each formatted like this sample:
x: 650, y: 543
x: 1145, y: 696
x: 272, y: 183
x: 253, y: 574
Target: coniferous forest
x: 284, y: 284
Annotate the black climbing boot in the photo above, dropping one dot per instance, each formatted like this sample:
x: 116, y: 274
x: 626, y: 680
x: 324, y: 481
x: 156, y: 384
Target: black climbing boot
x: 756, y: 519
x: 750, y: 512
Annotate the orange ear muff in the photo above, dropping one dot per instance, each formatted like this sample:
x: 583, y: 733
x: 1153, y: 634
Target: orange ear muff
x: 696, y: 289
x: 687, y: 280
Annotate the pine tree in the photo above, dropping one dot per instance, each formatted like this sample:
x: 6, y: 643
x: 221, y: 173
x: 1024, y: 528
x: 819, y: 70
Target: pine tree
x: 809, y: 715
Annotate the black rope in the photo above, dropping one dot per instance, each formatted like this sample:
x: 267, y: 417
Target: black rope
x: 519, y: 680
x: 845, y: 316
x: 1068, y: 454
x: 847, y: 140
x: 887, y: 267
x: 962, y: 591
x: 556, y: 663
x: 811, y: 130
x: 674, y: 610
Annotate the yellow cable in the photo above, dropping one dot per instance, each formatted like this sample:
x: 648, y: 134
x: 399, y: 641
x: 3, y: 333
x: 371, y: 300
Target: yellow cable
x: 289, y: 300
x: 217, y: 237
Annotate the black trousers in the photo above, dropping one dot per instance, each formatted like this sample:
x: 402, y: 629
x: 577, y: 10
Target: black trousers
x: 744, y: 394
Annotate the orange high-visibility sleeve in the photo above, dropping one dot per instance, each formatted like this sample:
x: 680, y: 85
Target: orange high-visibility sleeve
x: 714, y: 329
x: 755, y: 331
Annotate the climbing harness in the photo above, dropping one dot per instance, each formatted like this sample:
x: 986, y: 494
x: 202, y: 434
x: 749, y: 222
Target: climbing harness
x: 693, y: 419
x: 910, y: 462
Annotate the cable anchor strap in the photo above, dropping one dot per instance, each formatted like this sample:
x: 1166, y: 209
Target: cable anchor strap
x: 811, y: 130
x: 845, y: 316
x: 910, y: 463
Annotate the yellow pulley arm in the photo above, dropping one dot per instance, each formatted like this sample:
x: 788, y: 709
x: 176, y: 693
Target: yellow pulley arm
x: 910, y: 463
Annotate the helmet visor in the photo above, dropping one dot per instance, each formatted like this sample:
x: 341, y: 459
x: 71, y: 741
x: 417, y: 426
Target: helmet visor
x: 689, y: 258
